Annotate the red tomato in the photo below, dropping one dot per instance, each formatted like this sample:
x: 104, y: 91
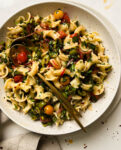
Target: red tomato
x: 22, y: 57
x: 49, y: 64
x: 73, y: 35
x: 66, y: 18
x: 62, y: 34
x: 18, y: 78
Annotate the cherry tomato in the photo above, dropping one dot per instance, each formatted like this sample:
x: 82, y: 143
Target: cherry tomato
x: 58, y: 14
x: 17, y: 53
x: 49, y: 64
x: 62, y: 34
x: 73, y: 35
x: 48, y: 109
x: 18, y: 78
x: 22, y: 57
x: 66, y: 18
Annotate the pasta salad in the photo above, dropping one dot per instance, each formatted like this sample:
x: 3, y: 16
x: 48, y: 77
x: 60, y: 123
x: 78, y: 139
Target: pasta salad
x: 65, y: 53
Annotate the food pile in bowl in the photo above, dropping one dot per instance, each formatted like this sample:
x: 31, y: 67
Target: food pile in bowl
x: 65, y: 53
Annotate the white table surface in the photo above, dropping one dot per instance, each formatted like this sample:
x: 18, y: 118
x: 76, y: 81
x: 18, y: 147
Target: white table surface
x: 100, y: 136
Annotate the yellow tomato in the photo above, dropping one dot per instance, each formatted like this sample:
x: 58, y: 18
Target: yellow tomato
x: 48, y: 109
x: 58, y: 14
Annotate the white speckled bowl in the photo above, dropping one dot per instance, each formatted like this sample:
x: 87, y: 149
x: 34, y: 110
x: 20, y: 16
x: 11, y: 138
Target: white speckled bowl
x: 92, y: 23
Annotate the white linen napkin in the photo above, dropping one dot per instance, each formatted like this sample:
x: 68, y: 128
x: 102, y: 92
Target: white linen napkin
x: 27, y: 141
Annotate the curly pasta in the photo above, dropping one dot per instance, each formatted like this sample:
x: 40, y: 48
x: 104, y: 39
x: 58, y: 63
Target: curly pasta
x: 65, y: 53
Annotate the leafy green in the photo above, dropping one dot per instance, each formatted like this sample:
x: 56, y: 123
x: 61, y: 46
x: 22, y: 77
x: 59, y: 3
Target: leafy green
x: 72, y: 67
x: 77, y: 23
x: 3, y: 60
x: 73, y: 52
x: 75, y: 39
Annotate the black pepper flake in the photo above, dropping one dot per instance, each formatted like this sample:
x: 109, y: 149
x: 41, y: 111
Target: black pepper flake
x: 119, y: 125
x: 1, y: 147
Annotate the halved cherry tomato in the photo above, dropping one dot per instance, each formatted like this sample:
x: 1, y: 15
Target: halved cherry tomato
x: 22, y: 57
x: 49, y: 64
x: 48, y: 109
x: 62, y: 34
x: 18, y: 78
x: 62, y: 73
x: 18, y: 54
x: 65, y: 18
x: 73, y: 35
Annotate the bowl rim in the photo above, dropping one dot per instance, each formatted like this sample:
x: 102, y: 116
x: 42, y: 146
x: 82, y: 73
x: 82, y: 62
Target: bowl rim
x: 80, y: 6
